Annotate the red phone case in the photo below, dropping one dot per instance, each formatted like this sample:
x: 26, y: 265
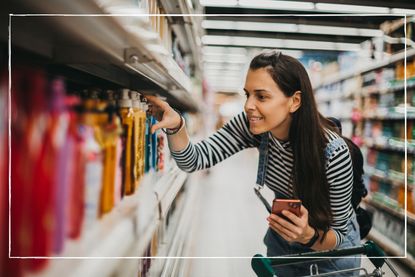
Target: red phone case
x: 293, y: 205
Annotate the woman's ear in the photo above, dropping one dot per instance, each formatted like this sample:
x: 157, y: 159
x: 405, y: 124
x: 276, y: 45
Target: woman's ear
x: 295, y: 101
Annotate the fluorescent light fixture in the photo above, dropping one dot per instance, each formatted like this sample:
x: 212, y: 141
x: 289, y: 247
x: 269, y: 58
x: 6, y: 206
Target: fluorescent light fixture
x: 217, y: 3
x: 279, y: 43
x: 223, y: 73
x: 237, y: 82
x: 276, y: 5
x: 224, y: 56
x: 219, y: 60
x: 260, y: 4
x: 340, y: 8
x: 224, y: 50
x: 222, y: 66
x: 402, y: 11
x: 289, y: 28
x: 249, y: 26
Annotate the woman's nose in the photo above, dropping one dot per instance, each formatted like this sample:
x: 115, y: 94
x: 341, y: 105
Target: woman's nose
x: 249, y: 104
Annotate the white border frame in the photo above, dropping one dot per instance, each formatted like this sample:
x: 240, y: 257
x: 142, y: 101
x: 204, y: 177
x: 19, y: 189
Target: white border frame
x: 197, y: 15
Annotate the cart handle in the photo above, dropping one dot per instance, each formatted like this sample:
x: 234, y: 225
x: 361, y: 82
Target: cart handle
x: 263, y: 266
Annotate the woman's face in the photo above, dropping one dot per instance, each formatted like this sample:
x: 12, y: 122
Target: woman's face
x: 266, y: 106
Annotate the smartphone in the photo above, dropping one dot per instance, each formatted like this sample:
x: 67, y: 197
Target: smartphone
x: 292, y: 205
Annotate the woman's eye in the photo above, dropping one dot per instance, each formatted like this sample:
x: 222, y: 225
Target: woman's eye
x: 246, y: 94
x: 261, y: 97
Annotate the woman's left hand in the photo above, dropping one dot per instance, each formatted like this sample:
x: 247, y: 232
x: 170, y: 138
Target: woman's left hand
x: 297, y: 230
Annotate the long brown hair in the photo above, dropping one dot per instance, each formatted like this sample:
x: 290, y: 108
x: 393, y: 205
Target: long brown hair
x: 306, y: 136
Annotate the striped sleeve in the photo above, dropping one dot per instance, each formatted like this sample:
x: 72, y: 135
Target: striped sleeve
x: 340, y: 179
x: 230, y: 139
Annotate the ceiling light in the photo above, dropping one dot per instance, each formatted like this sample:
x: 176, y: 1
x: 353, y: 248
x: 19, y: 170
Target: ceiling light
x: 237, y: 82
x: 217, y: 3
x: 223, y: 73
x: 289, y: 28
x: 260, y: 4
x: 279, y: 43
x: 402, y: 11
x: 344, y: 31
x: 222, y: 66
x: 220, y: 60
x: 340, y: 8
x: 276, y: 5
x: 249, y: 26
x: 224, y: 56
x: 224, y: 50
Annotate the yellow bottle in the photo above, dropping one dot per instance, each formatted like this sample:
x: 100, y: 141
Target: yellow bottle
x: 143, y: 118
x: 127, y: 120
x: 104, y: 133
x: 111, y: 130
x: 137, y: 137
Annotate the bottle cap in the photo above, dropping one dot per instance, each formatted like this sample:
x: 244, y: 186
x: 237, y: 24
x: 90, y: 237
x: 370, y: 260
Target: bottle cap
x: 135, y: 99
x: 124, y: 100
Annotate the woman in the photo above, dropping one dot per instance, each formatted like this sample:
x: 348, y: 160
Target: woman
x: 280, y: 103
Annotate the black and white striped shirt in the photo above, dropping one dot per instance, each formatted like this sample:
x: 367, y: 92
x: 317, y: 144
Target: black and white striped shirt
x: 235, y: 136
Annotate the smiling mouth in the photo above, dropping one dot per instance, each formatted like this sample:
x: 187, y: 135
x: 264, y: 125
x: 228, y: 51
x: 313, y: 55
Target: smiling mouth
x: 254, y: 119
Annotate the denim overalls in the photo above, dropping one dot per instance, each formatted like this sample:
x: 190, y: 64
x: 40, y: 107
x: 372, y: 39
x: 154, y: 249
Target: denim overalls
x: 278, y: 246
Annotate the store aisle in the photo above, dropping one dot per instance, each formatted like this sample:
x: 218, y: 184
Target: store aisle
x: 230, y: 221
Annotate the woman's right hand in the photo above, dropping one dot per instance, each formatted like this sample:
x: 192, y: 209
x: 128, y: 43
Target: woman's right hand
x: 166, y: 116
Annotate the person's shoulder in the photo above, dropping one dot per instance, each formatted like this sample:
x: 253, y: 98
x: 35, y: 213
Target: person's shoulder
x: 335, y: 143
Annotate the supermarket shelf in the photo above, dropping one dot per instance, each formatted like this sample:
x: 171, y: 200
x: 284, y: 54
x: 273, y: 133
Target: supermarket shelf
x: 180, y: 235
x: 111, y: 236
x: 132, y: 222
x: 392, y: 87
x: 125, y: 42
x: 389, y: 147
x: 390, y: 247
x: 179, y: 227
x: 166, y: 191
x: 390, y: 113
x: 395, y: 212
x: 355, y: 72
x: 389, y: 177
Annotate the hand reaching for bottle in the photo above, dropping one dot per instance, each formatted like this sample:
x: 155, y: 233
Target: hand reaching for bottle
x: 166, y: 116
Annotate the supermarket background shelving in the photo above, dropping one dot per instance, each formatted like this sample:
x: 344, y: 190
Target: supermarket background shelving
x: 198, y: 64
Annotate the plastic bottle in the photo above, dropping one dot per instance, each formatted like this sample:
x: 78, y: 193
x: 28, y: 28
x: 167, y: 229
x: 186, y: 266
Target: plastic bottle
x: 111, y: 127
x: 137, y: 129
x: 153, y: 145
x: 117, y: 193
x: 127, y: 120
x: 93, y: 177
x: 143, y: 120
x: 147, y: 147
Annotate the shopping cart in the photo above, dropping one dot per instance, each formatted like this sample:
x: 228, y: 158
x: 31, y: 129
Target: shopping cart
x: 268, y: 267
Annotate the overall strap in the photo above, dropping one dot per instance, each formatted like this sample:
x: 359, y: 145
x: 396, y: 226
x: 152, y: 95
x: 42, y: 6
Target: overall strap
x: 332, y: 146
x: 263, y: 160
x: 262, y: 169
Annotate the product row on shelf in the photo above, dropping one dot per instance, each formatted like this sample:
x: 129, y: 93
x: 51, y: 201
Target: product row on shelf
x: 374, y: 112
x: 391, y: 233
x: 129, y: 43
x: 97, y: 183
x: 79, y: 159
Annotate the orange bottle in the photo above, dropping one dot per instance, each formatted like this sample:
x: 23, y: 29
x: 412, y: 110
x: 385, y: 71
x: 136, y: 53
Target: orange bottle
x: 127, y: 121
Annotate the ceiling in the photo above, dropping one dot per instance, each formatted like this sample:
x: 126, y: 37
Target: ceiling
x: 235, y: 30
